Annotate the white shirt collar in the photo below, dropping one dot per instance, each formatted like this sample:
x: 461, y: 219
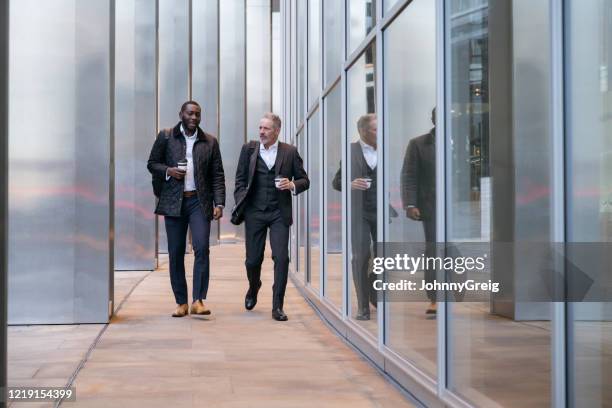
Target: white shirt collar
x: 185, y: 134
x: 271, y: 148
x: 364, y: 145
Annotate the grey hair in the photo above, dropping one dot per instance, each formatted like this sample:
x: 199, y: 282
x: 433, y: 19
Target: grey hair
x: 364, y: 121
x: 274, y: 118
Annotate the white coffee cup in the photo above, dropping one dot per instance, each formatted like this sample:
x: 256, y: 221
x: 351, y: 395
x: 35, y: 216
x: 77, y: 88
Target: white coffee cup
x: 369, y: 181
x: 277, y: 181
x: 182, y: 165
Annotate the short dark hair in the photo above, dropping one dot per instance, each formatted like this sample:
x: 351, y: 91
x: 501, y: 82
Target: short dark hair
x: 184, y: 106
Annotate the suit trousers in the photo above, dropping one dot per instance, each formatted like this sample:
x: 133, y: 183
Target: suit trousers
x: 363, y: 241
x: 429, y: 227
x: 176, y: 231
x: 257, y: 222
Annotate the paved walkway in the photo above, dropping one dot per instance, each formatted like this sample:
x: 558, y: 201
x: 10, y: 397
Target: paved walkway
x: 232, y: 358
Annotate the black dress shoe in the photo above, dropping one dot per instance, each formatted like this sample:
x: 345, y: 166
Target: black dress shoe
x: 250, y: 300
x: 363, y: 314
x: 279, y: 315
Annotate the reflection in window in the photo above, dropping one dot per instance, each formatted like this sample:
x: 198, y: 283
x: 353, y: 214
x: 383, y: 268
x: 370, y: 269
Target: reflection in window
x: 302, y: 210
x: 362, y: 125
x: 589, y: 191
x: 332, y: 44
x: 499, y: 153
x: 333, y: 198
x: 314, y: 46
x: 410, y: 95
x: 314, y: 220
x: 362, y: 14
x: 301, y: 64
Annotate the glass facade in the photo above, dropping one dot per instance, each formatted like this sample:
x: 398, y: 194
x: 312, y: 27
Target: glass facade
x: 411, y: 38
x: 314, y: 197
x: 302, y: 219
x: 361, y: 20
x: 497, y: 113
x: 332, y: 156
x: 362, y: 180
x: 500, y: 164
x: 589, y: 164
x: 333, y: 56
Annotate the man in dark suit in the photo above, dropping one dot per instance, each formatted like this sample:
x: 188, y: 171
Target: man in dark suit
x: 418, y: 186
x: 189, y: 198
x: 364, y: 184
x: 268, y: 172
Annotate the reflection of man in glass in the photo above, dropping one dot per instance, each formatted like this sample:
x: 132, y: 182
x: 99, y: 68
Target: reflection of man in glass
x: 363, y: 210
x: 418, y: 184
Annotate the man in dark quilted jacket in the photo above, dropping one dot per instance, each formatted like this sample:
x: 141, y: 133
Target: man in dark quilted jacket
x: 193, y: 194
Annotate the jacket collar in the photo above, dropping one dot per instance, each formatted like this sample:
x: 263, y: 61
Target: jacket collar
x: 177, y: 132
x: 431, y: 136
x: 357, y: 153
x: 280, y: 157
x: 278, y: 163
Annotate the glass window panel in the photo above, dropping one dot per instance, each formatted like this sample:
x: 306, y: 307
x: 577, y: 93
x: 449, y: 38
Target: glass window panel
x: 333, y: 197
x: 292, y: 52
x: 277, y: 64
x: 362, y: 144
x: 589, y: 216
x: 302, y: 209
x: 499, y: 191
x: 362, y: 18
x: 410, y: 95
x: 314, y: 221
x: 389, y: 4
x: 301, y: 63
x: 258, y: 62
x: 314, y: 47
x: 332, y: 39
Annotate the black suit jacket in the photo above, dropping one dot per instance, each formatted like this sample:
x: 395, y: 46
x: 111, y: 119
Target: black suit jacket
x: 418, y: 178
x: 359, y: 169
x: 288, y: 164
x: 170, y: 147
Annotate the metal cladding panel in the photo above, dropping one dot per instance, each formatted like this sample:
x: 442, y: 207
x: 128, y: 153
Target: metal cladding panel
x: 135, y: 128
x: 60, y: 185
x: 173, y: 72
x: 232, y: 78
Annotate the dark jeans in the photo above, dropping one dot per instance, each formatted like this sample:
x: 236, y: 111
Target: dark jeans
x: 257, y: 223
x: 176, y: 231
x: 363, y: 241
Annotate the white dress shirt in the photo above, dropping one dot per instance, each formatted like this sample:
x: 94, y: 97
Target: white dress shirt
x: 269, y: 155
x: 369, y: 154
x: 189, y: 179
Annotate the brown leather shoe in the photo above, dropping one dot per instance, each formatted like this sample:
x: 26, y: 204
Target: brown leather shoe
x: 198, y: 308
x: 181, y: 310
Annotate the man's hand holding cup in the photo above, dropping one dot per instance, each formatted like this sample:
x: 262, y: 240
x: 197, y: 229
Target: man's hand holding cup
x: 179, y: 171
x: 283, y: 183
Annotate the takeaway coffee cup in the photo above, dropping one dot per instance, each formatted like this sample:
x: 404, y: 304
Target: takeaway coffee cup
x: 182, y: 165
x: 369, y: 181
x: 277, y: 181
